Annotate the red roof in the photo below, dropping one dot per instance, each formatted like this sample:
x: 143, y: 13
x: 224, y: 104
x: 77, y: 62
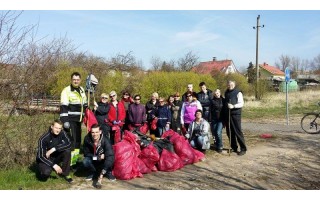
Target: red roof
x: 272, y: 70
x: 208, y: 67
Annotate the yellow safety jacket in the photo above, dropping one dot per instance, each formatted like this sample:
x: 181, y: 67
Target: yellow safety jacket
x: 73, y: 104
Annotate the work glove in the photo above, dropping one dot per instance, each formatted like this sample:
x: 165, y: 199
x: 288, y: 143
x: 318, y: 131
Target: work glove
x: 230, y: 106
x: 66, y: 125
x: 115, y: 122
x: 187, y: 135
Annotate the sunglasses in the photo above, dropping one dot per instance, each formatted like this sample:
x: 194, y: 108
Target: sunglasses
x: 136, y: 99
x: 189, y: 96
x: 104, y: 97
x: 176, y: 96
x: 112, y: 95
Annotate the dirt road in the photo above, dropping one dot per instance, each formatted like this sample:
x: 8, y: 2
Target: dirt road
x: 288, y: 160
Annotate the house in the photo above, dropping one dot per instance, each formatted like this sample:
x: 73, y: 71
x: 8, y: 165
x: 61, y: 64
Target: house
x: 270, y: 73
x: 215, y: 66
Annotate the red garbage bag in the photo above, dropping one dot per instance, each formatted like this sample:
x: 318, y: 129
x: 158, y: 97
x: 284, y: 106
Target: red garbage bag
x: 142, y: 167
x: 181, y: 146
x: 169, y: 161
x: 150, y: 156
x: 126, y: 165
x: 154, y: 124
x: 144, y: 128
x: 198, y: 155
x: 89, y: 119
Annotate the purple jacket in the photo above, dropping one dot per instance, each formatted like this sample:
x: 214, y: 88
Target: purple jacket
x: 188, y: 111
x: 137, y: 113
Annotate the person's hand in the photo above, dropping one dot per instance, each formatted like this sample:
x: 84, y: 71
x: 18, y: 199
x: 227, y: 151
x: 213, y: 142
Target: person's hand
x: 66, y: 125
x: 230, y: 106
x: 101, y: 157
x: 95, y: 105
x: 50, y: 152
x: 187, y: 135
x: 57, y: 168
x: 115, y: 122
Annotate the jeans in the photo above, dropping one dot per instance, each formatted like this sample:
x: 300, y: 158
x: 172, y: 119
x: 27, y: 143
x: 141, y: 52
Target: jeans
x: 216, y: 128
x: 197, y: 142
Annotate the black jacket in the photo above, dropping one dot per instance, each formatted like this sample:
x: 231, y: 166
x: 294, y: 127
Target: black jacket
x: 47, y: 141
x: 216, y: 108
x: 104, y: 147
x: 102, y: 112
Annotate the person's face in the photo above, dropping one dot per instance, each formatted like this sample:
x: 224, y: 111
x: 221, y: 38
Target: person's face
x: 217, y: 94
x: 161, y: 102
x: 198, y: 115
x: 104, y: 99
x: 56, y: 128
x: 203, y: 88
x: 189, y: 97
x: 231, y: 85
x: 126, y: 95
x: 190, y: 88
x: 153, y: 98
x: 113, y: 97
x: 176, y: 97
x: 171, y: 99
x: 76, y: 80
x: 137, y: 100
x: 95, y: 132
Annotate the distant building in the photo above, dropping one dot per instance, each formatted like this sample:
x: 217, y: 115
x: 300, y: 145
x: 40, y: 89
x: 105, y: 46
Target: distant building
x: 215, y: 66
x: 270, y: 72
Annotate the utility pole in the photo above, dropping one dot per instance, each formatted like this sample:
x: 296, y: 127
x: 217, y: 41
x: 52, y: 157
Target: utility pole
x: 257, y: 55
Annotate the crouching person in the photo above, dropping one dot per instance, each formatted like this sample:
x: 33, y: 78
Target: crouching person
x: 198, y: 133
x: 54, y: 148
x: 98, y: 156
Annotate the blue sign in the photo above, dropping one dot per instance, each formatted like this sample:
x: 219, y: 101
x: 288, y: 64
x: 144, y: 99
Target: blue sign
x: 287, y: 74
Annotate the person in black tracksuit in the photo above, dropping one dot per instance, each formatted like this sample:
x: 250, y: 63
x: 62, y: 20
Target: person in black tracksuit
x: 233, y: 104
x: 98, y: 155
x: 54, y: 148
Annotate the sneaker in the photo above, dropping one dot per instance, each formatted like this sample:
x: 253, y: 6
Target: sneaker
x: 110, y: 176
x: 89, y: 178
x: 68, y: 179
x: 98, y: 185
x: 241, y: 153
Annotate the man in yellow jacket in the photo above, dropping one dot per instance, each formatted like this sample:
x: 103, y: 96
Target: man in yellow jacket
x: 73, y: 104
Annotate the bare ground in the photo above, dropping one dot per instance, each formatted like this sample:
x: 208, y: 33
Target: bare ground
x: 289, y: 160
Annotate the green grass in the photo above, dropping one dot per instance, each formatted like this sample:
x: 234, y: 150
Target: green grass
x: 25, y: 179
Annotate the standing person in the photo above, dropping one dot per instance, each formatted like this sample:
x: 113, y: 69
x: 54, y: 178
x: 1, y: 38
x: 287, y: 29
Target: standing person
x: 98, y: 155
x: 217, y: 122
x: 151, y: 106
x: 232, y: 110
x: 176, y: 113
x: 126, y: 100
x: 136, y: 113
x: 101, y: 111
x: 170, y: 101
x: 205, y: 96
x: 73, y: 103
x: 188, y: 110
x: 189, y: 89
x: 54, y: 148
x: 117, y: 116
x: 163, y: 114
x: 198, y: 132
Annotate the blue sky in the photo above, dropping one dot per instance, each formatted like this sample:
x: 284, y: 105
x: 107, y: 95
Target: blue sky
x: 170, y: 34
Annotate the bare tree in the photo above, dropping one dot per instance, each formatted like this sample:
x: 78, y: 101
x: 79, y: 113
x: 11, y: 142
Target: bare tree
x: 188, y: 61
x: 123, y: 62
x: 284, y: 61
x: 316, y: 62
x: 156, y: 63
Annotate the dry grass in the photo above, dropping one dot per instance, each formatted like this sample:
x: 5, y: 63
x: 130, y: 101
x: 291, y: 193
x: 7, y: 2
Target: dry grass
x: 278, y: 99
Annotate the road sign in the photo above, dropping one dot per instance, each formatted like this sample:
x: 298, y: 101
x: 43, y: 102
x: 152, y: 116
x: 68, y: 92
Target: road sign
x: 287, y: 74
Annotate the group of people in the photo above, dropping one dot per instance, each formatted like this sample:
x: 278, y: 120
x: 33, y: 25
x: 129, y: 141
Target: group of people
x: 194, y: 117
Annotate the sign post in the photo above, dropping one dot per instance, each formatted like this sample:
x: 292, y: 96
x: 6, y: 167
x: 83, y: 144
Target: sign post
x: 287, y: 79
